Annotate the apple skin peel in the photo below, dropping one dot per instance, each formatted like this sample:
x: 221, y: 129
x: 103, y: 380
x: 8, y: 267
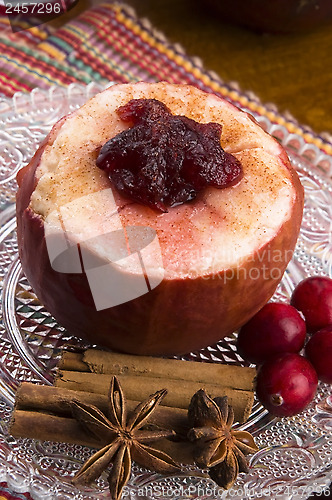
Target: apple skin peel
x: 215, y: 261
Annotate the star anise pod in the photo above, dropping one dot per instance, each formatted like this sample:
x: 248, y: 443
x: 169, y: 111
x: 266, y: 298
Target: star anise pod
x: 126, y: 438
x: 218, y: 446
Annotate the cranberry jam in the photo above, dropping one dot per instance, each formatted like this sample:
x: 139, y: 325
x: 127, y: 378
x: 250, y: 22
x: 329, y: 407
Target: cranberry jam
x: 164, y: 160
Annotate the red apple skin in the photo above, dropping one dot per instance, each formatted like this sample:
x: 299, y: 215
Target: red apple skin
x: 176, y: 317
x: 275, y: 16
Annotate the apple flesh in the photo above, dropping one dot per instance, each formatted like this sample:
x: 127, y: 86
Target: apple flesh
x: 223, y: 254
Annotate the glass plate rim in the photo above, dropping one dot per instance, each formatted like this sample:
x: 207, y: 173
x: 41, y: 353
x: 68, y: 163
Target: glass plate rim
x: 296, y: 144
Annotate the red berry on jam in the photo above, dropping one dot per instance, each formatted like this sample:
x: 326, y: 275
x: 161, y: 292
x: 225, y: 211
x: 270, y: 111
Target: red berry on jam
x: 286, y: 384
x: 275, y: 329
x: 313, y: 296
x: 319, y: 352
x: 164, y: 160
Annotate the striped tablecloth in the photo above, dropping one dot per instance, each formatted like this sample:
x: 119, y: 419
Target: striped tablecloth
x: 7, y: 494
x: 107, y: 43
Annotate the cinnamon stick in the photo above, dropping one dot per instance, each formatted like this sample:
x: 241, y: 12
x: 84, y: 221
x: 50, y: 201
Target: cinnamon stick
x: 98, y: 361
x: 56, y: 400
x: 73, y: 361
x: 139, y: 388
x: 45, y: 427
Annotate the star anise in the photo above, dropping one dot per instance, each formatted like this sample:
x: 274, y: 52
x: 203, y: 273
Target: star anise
x: 126, y: 439
x: 218, y: 446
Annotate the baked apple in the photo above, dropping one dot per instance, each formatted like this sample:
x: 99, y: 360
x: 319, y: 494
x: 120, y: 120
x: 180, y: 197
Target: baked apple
x: 156, y: 280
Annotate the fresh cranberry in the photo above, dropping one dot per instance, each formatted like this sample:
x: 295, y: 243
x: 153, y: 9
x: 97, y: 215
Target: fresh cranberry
x: 319, y: 352
x: 275, y: 329
x: 286, y: 384
x: 164, y: 159
x: 313, y: 296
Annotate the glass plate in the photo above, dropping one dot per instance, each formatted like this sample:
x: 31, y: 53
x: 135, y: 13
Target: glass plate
x: 295, y: 456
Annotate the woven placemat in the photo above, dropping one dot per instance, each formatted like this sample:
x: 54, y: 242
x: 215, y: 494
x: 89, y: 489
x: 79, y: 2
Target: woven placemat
x: 109, y: 42
x: 7, y: 494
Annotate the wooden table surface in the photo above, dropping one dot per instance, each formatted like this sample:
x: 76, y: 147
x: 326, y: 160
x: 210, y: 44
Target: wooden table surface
x: 293, y: 71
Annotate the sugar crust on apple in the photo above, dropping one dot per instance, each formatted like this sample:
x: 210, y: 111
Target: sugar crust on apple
x: 223, y: 254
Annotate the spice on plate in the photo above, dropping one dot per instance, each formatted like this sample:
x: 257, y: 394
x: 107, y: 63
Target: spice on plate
x: 127, y: 440
x: 218, y: 446
x: 122, y: 429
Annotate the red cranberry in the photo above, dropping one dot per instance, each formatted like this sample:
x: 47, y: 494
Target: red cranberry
x: 275, y: 329
x: 286, y: 384
x: 313, y: 296
x: 319, y: 352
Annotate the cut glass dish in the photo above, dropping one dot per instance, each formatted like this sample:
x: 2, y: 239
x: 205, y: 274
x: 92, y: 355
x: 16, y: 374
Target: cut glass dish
x: 295, y: 456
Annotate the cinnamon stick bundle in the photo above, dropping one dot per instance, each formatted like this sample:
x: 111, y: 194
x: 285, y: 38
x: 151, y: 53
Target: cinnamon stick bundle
x: 139, y: 388
x: 43, y: 412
